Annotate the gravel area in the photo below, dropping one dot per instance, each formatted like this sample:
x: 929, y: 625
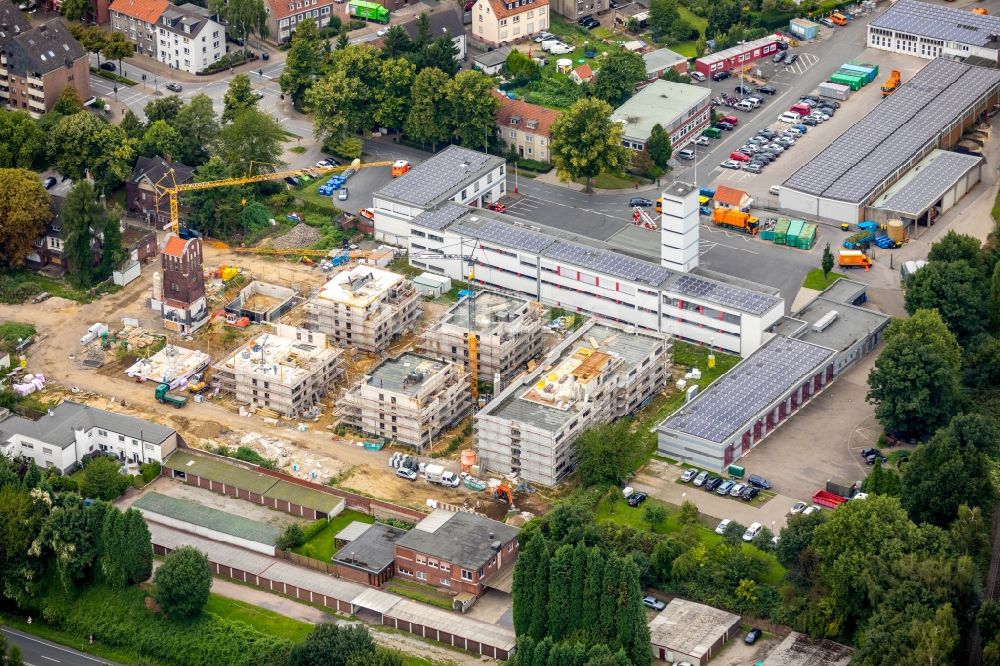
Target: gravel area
x: 301, y: 235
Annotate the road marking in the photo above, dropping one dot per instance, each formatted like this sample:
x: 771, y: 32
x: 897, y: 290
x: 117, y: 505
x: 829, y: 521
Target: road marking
x: 53, y: 646
x: 49, y: 658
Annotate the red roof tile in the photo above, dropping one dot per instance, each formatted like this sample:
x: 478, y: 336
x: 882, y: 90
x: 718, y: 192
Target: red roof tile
x: 175, y: 246
x: 280, y: 8
x: 526, y: 111
x: 143, y: 10
x: 501, y: 10
x: 729, y: 196
x: 584, y: 72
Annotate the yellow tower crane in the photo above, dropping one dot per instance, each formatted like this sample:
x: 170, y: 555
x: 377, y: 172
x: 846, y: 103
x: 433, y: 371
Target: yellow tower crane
x: 473, y: 342
x: 167, y: 186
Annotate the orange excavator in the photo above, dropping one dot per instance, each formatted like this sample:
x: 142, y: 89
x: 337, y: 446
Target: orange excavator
x: 504, y: 494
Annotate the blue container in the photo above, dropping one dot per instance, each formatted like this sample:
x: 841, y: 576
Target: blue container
x: 867, y: 72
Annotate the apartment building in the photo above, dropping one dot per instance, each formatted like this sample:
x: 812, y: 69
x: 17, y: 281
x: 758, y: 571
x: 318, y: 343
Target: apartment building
x: 683, y: 110
x: 284, y: 15
x: 577, y: 9
x: 508, y: 334
x: 70, y: 430
x: 457, y: 551
x: 364, y: 308
x: 137, y: 20
x: 38, y: 63
x: 597, y: 374
x: 189, y: 38
x: 525, y: 127
x: 499, y: 22
x: 408, y: 400
x: 287, y: 370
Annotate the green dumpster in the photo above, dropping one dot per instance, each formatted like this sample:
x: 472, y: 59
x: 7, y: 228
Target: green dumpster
x: 736, y: 471
x: 781, y: 230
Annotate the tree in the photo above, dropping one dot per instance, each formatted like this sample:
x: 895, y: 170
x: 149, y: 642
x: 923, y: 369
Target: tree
x: 83, y: 218
x: 396, y: 43
x: 936, y: 639
x: 14, y: 657
x: 585, y: 142
x: 117, y: 47
x: 74, y: 10
x: 242, y: 17
x: 183, y: 582
x: 342, y: 41
x: 619, y: 74
x: 954, y: 289
x: 101, y: 475
x: 882, y: 481
x: 827, y: 262
x: 24, y: 212
x: 473, y: 108
x: 113, y: 253
x: 427, y: 120
x: 531, y: 588
x: 83, y: 143
x: 522, y: 68
x: 663, y: 14
x: 914, y: 384
x: 658, y: 146
x: 66, y: 540
x: 689, y: 514
x: 994, y: 305
x: 337, y: 104
x: 560, y: 592
x: 131, y: 125
x: 607, y: 453
x: 332, y: 645
x: 215, y: 211
x: 442, y: 54
x: 111, y: 566
x: 653, y: 514
x: 239, y: 96
x: 969, y: 532
x: 305, y: 56
x: 160, y: 139
x: 22, y: 514
x: 137, y: 554
x: 68, y: 102
x: 423, y: 31
x: 292, y: 537
x: 955, y: 247
x: 253, y: 137
x: 199, y: 129
x: 165, y: 108
x: 94, y: 40
x: 392, y: 96
x: 24, y: 141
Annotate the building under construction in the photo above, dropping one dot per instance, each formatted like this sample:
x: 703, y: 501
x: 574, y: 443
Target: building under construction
x: 409, y: 400
x: 287, y: 371
x: 596, y: 375
x: 364, y: 308
x: 508, y: 333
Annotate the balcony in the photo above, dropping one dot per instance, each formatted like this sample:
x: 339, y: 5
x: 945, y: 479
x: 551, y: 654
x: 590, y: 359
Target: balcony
x: 36, y: 105
x: 36, y: 92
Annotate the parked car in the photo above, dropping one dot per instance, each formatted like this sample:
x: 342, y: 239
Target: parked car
x: 832, y: 103
x: 738, y: 156
x: 809, y: 510
x: 49, y: 182
x: 108, y: 66
x: 759, y: 482
x: 724, y: 488
x: 654, y: 603
x: 701, y: 478
x: 721, y: 527
x: 406, y: 473
x: 752, y: 636
x: 827, y: 22
x: 776, y: 148
x: 702, y: 141
x: 737, y: 489
x: 696, y: 76
x: 591, y: 24
x: 689, y: 474
x: 797, y: 130
x: 723, y: 125
x: 743, y: 90
x: 730, y: 164
x: 809, y: 100
x: 769, y: 133
x: 799, y: 507
x: 343, y: 194
x: 635, y: 499
x: 543, y: 36
x: 753, y: 167
x: 755, y: 101
x: 720, y: 76
x: 749, y: 149
x: 790, y: 58
x: 810, y: 121
x: 744, y: 106
x: 778, y: 57
x: 750, y: 494
x: 752, y: 531
x: 774, y: 190
x: 767, y: 89
x: 639, y: 201
x: 712, y: 484
x: 292, y: 180
x: 686, y: 154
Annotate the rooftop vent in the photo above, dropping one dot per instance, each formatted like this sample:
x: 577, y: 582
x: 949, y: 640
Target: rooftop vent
x: 825, y: 321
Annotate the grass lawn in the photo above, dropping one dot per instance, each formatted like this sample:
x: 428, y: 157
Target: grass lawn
x: 11, y: 332
x: 699, y: 22
x: 321, y: 547
x: 264, y: 621
x: 686, y: 49
x: 310, y: 194
x: 18, y: 286
x: 425, y: 594
x: 403, y: 267
x: 613, y: 181
x: 815, y: 280
x: 298, y: 150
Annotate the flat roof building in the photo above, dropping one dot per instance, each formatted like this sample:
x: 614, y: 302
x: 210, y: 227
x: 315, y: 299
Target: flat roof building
x: 369, y: 557
x: 932, y: 31
x: 929, y: 189
x: 800, y: 650
x: 364, y: 308
x: 597, y: 374
x: 681, y: 109
x: 686, y: 631
x: 737, y: 56
x: 456, y: 174
x: 660, y: 60
x: 408, y: 400
x: 930, y: 111
x: 508, y: 333
x: 286, y: 371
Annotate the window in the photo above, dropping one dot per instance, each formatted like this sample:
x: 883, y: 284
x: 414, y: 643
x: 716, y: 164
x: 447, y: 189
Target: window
x: 445, y: 566
x: 466, y: 574
x: 421, y: 559
x: 431, y: 563
x: 403, y: 571
x: 421, y: 575
x: 46, y: 450
x: 513, y: 134
x: 446, y: 582
x: 121, y: 438
x: 102, y: 433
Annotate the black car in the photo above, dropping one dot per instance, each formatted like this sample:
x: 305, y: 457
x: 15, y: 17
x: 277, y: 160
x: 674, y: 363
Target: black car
x: 768, y: 133
x: 50, y: 182
x: 832, y: 103
x: 174, y: 87
x: 292, y: 180
x: 635, y: 499
x: 591, y: 24
x: 759, y: 482
x: 743, y: 90
x: 752, y: 637
x: 750, y: 493
x: 639, y: 201
x: 790, y: 57
x: 583, y: 20
x: 767, y: 90
x: 723, y: 125
x: 811, y: 122
x: 782, y: 46
x: 713, y: 483
x: 720, y: 76
x: 828, y: 110
x: 108, y: 66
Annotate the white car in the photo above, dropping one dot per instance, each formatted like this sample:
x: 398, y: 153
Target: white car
x: 542, y: 36
x: 730, y: 164
x: 689, y: 474
x: 721, y: 527
x: 799, y: 507
x: 774, y: 189
x: 406, y: 473
x: 702, y: 141
x: 752, y: 531
x: 383, y: 32
x: 737, y: 489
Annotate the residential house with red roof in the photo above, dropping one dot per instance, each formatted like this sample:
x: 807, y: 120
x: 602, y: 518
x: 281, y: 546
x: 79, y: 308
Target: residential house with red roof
x: 582, y: 74
x: 284, y: 15
x: 730, y: 197
x: 498, y: 22
x: 137, y: 19
x: 525, y: 127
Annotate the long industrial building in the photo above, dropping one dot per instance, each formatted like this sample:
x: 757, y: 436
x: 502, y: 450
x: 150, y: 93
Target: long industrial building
x: 597, y: 374
x: 364, y: 308
x: 409, y: 400
x: 286, y: 371
x: 555, y: 268
x: 930, y: 111
x: 508, y: 334
x: 932, y: 31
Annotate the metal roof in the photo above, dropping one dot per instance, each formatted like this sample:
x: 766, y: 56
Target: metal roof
x: 900, y: 128
x: 216, y: 470
x: 744, y: 300
x: 508, y: 235
x: 440, y: 177
x: 608, y: 262
x: 949, y: 24
x: 204, y: 516
x: 373, y: 550
x: 739, y: 397
x: 353, y: 530
x: 732, y: 51
x: 439, y: 218
x: 932, y: 178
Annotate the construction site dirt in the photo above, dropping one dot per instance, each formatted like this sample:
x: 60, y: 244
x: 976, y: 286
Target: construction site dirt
x: 57, y: 353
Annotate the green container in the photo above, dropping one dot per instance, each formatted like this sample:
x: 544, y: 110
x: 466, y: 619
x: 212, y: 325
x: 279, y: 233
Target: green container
x: 847, y: 79
x: 794, y: 229
x: 767, y: 235
x: 736, y: 470
x: 869, y: 65
x: 808, y: 237
x: 781, y: 230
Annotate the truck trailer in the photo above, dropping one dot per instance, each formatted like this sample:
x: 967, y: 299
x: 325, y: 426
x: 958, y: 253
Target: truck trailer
x: 162, y: 394
x: 370, y: 11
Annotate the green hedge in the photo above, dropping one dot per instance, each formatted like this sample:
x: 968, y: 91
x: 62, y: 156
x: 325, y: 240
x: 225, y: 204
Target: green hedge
x: 119, y: 619
x: 227, y: 61
x: 111, y: 76
x: 534, y: 165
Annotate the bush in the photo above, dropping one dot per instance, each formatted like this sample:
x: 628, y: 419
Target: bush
x: 293, y: 537
x: 229, y: 60
x: 534, y: 165
x: 102, y: 479
x: 64, y: 484
x: 349, y: 148
x: 182, y: 582
x: 150, y: 471
x: 357, y: 25
x: 246, y: 454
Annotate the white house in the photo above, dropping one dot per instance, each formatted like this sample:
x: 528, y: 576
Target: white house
x: 71, y: 430
x: 189, y: 38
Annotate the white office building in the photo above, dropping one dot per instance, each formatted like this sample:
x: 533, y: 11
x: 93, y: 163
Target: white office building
x: 189, y: 38
x: 931, y: 31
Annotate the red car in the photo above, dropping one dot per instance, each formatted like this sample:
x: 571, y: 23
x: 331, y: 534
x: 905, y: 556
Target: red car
x: 739, y: 157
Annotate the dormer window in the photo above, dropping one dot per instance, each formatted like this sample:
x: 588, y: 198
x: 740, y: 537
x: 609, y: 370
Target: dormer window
x: 515, y: 120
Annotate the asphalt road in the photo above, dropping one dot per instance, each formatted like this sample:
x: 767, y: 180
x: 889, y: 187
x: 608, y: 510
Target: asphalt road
x: 39, y: 652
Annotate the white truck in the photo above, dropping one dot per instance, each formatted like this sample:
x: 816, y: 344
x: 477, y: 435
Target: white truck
x: 556, y: 47
x: 438, y: 474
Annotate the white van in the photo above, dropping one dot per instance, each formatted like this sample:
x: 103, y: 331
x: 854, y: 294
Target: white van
x: 789, y: 117
x: 744, y: 106
x: 752, y: 531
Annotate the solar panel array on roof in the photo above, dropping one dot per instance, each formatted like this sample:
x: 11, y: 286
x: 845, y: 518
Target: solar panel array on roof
x: 506, y: 235
x: 927, y: 186
x: 743, y: 300
x: 749, y: 388
x: 439, y: 218
x: 939, y: 22
x: 894, y: 132
x: 440, y: 176
x: 609, y: 263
